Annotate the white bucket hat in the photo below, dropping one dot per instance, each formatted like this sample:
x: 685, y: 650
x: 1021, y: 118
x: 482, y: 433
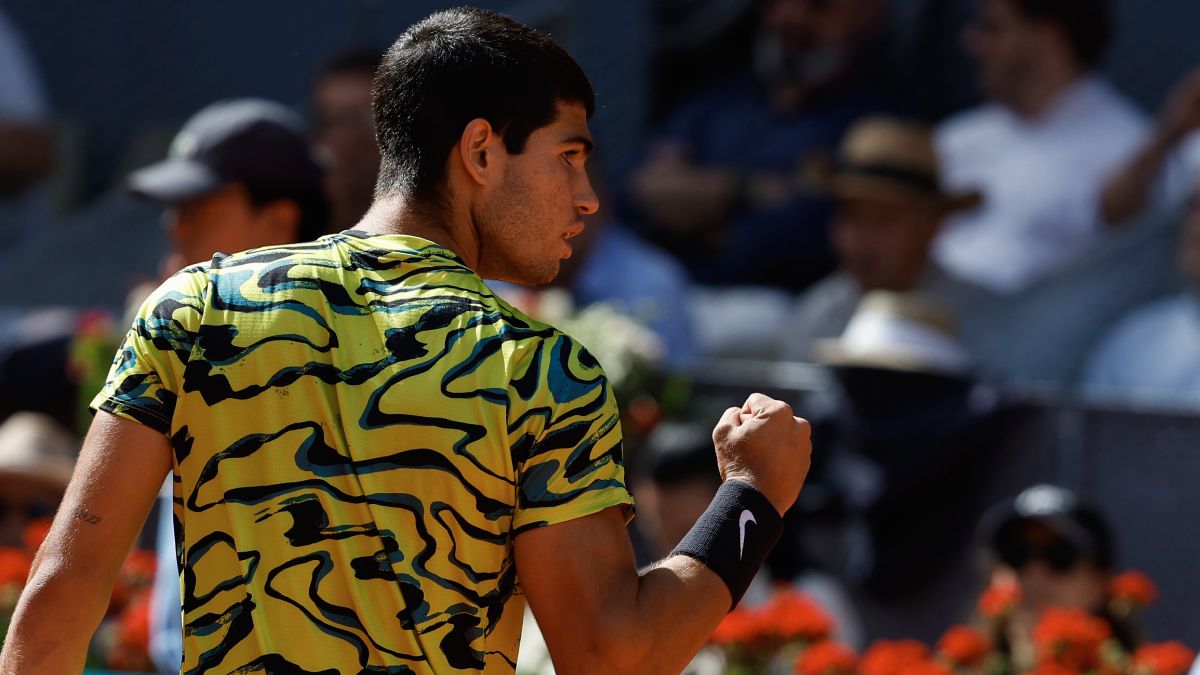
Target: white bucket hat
x: 36, y: 448
x: 898, y: 331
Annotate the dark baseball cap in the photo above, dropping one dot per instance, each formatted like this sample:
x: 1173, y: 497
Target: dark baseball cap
x: 1058, y: 509
x: 253, y: 141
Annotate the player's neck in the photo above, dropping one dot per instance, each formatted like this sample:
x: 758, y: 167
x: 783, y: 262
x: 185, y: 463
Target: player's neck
x: 396, y: 215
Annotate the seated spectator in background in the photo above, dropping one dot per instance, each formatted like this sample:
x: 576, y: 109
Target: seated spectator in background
x: 344, y: 135
x: 1059, y: 552
x: 680, y: 478
x: 37, y: 457
x: 720, y: 186
x: 1041, y: 150
x: 26, y: 146
x: 909, y: 439
x: 1152, y: 355
x: 241, y: 174
x: 890, y: 207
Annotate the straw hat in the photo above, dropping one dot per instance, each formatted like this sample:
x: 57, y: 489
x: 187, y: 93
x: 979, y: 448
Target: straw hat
x: 33, y: 447
x: 897, y: 331
x: 887, y: 157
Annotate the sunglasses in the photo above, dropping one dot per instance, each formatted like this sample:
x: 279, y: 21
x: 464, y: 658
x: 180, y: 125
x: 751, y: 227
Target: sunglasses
x: 1058, y: 554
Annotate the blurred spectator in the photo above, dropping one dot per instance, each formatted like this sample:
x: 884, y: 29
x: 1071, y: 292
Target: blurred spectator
x: 37, y: 457
x: 720, y: 186
x: 344, y: 134
x: 26, y: 148
x: 1033, y: 150
x: 890, y: 207
x: 1153, y: 354
x: 1060, y: 552
x: 908, y: 441
x: 681, y: 479
x: 1161, y: 173
x: 240, y: 175
x: 611, y: 264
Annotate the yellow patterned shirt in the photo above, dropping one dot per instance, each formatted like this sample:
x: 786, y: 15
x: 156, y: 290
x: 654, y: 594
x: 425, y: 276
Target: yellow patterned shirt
x: 360, y: 428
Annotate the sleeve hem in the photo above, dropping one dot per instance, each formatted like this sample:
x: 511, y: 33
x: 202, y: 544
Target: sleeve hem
x: 578, y: 509
x: 136, y: 413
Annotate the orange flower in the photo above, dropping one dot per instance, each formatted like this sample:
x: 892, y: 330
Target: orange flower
x: 137, y: 574
x: 889, y: 657
x: 1070, y: 637
x: 826, y: 658
x: 926, y: 668
x: 999, y: 600
x: 35, y: 533
x: 791, y: 615
x: 132, y: 642
x: 1133, y: 587
x: 1167, y: 658
x: 14, y: 567
x: 964, y: 646
x: 739, y: 627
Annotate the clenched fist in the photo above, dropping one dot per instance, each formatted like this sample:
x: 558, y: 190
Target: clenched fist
x: 762, y: 444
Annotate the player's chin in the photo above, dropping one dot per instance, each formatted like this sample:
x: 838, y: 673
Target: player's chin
x: 540, y: 274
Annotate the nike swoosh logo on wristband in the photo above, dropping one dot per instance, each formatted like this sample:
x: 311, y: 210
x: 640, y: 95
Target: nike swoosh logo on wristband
x: 745, y: 518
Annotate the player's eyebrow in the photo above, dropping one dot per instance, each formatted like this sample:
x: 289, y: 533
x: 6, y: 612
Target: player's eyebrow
x: 580, y: 140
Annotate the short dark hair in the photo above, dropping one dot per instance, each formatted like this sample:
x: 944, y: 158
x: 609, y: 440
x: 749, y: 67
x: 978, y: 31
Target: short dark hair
x: 456, y: 66
x: 315, y: 213
x: 1087, y: 24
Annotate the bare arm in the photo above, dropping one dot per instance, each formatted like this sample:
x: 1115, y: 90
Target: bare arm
x: 1128, y: 192
x: 598, y: 614
x: 120, y: 470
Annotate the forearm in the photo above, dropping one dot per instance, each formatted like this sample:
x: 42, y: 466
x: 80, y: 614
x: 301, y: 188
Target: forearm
x: 1127, y: 193
x: 53, y: 624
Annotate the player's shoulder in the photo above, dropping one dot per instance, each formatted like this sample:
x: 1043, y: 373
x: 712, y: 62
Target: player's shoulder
x: 535, y: 345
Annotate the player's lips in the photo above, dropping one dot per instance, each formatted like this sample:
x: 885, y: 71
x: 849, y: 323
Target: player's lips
x: 575, y: 230
x: 569, y: 234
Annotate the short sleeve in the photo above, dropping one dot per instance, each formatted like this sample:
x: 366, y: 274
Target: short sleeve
x: 147, y: 372
x: 565, y: 436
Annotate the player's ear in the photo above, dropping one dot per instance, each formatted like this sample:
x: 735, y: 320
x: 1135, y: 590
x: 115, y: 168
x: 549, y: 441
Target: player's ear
x: 479, y: 148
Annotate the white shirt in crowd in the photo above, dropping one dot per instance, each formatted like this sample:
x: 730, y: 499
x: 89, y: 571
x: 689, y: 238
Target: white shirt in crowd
x: 1041, y: 180
x: 1151, y: 356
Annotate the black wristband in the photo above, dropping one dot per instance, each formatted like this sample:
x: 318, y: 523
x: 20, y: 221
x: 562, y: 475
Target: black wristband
x: 733, y: 537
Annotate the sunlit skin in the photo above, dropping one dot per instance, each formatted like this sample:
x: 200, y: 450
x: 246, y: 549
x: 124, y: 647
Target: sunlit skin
x: 227, y: 221
x: 524, y: 227
x: 883, y: 242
